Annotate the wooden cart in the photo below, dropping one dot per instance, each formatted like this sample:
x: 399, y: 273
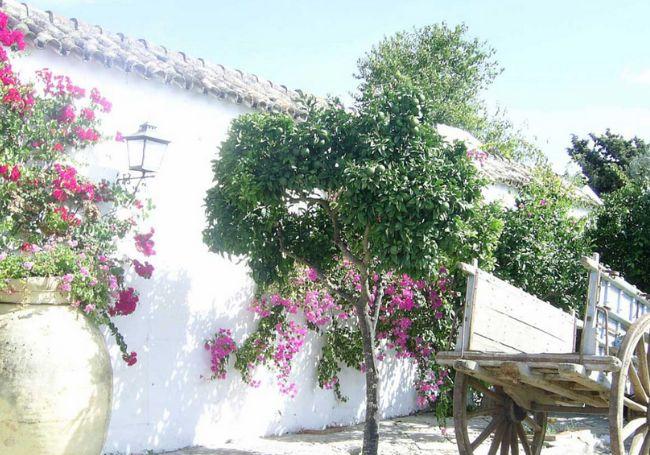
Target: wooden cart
x: 518, y: 358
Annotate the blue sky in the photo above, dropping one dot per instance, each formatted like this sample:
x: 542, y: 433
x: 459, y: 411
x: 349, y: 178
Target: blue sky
x: 570, y: 66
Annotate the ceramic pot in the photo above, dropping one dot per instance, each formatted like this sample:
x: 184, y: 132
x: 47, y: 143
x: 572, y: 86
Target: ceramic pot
x: 56, y: 378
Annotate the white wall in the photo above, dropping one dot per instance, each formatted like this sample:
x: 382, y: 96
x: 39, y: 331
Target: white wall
x: 163, y: 402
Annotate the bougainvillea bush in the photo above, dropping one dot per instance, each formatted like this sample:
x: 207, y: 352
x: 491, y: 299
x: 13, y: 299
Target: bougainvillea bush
x: 415, y: 321
x: 53, y: 221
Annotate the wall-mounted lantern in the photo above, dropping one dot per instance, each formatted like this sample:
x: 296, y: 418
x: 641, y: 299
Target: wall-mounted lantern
x: 145, y: 153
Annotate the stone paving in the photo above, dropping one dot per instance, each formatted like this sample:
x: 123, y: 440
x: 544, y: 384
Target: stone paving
x: 410, y: 435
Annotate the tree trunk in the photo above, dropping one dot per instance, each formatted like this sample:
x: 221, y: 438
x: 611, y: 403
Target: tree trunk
x: 371, y: 429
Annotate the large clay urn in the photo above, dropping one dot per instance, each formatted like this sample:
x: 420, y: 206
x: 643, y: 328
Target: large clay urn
x: 56, y: 378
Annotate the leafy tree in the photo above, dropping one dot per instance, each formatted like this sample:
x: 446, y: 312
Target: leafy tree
x: 377, y: 187
x: 622, y: 233
x: 639, y: 169
x: 541, y: 244
x: 453, y: 71
x: 606, y: 159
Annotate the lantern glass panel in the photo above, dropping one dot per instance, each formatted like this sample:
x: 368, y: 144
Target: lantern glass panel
x: 135, y: 148
x: 154, y: 152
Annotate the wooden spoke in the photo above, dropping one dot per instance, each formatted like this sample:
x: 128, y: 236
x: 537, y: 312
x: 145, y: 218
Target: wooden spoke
x: 505, y: 439
x: 514, y: 443
x: 476, y: 385
x: 645, y: 448
x: 482, y: 412
x: 524, y: 439
x: 634, y: 405
x: 642, y: 358
x: 631, y: 427
x: 635, y: 448
x: 486, y: 432
x: 502, y: 430
x: 639, y: 391
x: 498, y: 436
x: 530, y: 421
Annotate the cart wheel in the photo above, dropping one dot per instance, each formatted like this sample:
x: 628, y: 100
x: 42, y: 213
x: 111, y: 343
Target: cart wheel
x: 628, y: 402
x: 513, y: 429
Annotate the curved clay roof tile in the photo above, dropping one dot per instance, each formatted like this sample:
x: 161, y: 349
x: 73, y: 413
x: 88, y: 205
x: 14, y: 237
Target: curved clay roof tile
x: 71, y: 36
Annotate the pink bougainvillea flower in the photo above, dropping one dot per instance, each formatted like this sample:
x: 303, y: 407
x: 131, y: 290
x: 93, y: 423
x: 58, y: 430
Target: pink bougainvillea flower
x: 112, y: 283
x: 312, y: 274
x: 96, y: 98
x: 88, y: 114
x: 119, y: 137
x: 144, y: 244
x: 126, y: 303
x: 15, y: 174
x: 89, y: 308
x: 144, y: 270
x: 131, y: 358
x: 67, y: 114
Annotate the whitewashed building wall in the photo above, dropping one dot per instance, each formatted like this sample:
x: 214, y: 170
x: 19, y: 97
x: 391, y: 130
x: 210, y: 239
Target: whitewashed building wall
x: 164, y: 402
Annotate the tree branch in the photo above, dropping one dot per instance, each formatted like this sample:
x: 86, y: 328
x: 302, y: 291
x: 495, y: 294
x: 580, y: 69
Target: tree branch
x: 321, y: 276
x: 378, y: 301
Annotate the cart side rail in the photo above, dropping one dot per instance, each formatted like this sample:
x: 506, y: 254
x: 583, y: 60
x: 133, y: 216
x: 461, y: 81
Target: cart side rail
x: 499, y: 317
x: 613, y: 305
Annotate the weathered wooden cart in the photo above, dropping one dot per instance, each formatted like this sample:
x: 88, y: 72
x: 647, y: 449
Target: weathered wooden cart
x: 518, y: 359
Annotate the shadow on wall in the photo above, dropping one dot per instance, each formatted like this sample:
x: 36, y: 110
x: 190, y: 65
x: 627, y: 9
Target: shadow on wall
x: 158, y: 402
x: 165, y: 401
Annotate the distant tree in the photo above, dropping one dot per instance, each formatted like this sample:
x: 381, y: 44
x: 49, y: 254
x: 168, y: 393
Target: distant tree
x: 609, y: 160
x: 453, y: 71
x: 622, y: 233
x: 639, y: 169
x: 377, y: 187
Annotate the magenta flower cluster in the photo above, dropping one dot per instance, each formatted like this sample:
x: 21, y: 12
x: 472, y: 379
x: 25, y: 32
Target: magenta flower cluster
x: 408, y: 305
x: 220, y: 347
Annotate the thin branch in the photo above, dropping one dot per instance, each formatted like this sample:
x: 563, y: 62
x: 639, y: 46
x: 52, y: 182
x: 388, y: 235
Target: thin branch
x: 378, y: 301
x: 321, y: 276
x: 339, y: 242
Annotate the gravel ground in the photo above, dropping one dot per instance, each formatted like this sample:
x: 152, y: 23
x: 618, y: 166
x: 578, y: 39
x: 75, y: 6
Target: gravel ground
x: 410, y: 435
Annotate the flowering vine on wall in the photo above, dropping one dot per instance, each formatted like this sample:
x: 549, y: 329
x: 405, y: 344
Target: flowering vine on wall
x: 414, y: 323
x: 53, y: 221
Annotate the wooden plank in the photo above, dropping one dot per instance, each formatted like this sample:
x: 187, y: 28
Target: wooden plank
x: 592, y: 380
x: 473, y: 369
x: 588, y: 410
x: 465, y: 332
x: 525, y: 375
x: 507, y: 319
x: 485, y: 359
x: 588, y: 343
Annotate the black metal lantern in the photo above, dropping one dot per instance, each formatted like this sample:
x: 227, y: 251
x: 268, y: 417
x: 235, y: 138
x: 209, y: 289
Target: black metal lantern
x: 145, y: 151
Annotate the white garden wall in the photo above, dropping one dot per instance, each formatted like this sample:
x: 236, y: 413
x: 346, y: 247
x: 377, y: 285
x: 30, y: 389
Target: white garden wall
x: 163, y: 402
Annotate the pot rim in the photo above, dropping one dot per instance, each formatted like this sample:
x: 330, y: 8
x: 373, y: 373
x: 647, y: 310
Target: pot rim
x: 34, y: 291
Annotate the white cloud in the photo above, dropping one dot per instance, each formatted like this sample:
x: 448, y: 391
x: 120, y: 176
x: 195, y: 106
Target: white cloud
x: 636, y: 77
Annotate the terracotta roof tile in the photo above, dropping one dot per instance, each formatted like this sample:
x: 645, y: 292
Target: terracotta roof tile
x: 92, y: 43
